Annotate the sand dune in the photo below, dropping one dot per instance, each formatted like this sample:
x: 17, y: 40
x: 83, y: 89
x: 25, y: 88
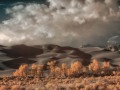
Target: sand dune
x: 13, y: 57
x: 22, y: 51
x: 101, y: 54
x: 41, y: 54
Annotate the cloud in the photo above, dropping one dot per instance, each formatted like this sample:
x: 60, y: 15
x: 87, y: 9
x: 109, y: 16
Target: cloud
x: 18, y: 3
x: 64, y: 22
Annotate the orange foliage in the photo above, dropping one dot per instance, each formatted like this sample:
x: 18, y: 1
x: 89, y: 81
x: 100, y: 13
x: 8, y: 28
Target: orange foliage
x: 106, y: 65
x: 75, y: 69
x: 22, y: 71
x: 94, y: 66
x: 40, y: 70
x: 51, y: 65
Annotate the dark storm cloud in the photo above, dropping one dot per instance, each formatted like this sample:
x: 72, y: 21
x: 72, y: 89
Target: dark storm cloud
x: 64, y: 22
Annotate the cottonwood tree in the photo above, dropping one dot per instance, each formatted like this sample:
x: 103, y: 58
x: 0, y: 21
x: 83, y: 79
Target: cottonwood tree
x: 22, y: 71
x: 34, y: 70
x: 106, y: 64
x: 94, y: 66
x: 76, y: 67
x: 70, y: 72
x: 52, y: 65
x: 40, y: 72
x: 63, y: 70
x: 106, y: 67
x: 57, y: 71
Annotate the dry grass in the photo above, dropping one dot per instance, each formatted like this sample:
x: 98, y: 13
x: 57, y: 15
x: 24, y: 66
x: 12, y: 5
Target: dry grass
x: 87, y: 83
x: 77, y: 77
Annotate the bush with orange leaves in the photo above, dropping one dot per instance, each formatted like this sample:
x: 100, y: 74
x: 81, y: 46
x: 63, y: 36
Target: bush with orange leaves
x: 22, y: 71
x: 52, y: 65
x: 106, y: 64
x: 75, y: 69
x: 70, y: 72
x: 63, y: 70
x: 40, y: 70
x: 57, y: 71
x: 33, y: 70
x: 94, y: 66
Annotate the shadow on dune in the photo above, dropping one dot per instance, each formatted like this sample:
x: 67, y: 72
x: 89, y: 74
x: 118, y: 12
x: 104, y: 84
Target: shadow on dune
x: 15, y: 63
x: 22, y: 51
x: 80, y: 54
x: 23, y: 54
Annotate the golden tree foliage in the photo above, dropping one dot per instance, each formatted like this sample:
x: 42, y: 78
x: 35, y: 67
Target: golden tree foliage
x: 63, y: 70
x: 106, y: 64
x: 75, y: 69
x: 77, y: 66
x: 22, y: 71
x: 57, y: 71
x: 70, y: 72
x: 40, y: 70
x: 51, y: 65
x: 94, y: 66
x: 34, y: 69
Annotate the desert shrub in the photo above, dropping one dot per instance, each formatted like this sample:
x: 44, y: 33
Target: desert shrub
x: 106, y: 64
x: 40, y: 72
x: 52, y: 65
x: 63, y: 70
x: 22, y: 71
x: 33, y: 70
x: 58, y: 71
x: 94, y: 66
x: 75, y: 70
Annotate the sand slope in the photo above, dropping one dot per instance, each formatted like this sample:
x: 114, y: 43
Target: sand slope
x: 12, y: 57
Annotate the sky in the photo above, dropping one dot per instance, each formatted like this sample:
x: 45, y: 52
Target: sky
x: 63, y: 22
x: 9, y: 3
